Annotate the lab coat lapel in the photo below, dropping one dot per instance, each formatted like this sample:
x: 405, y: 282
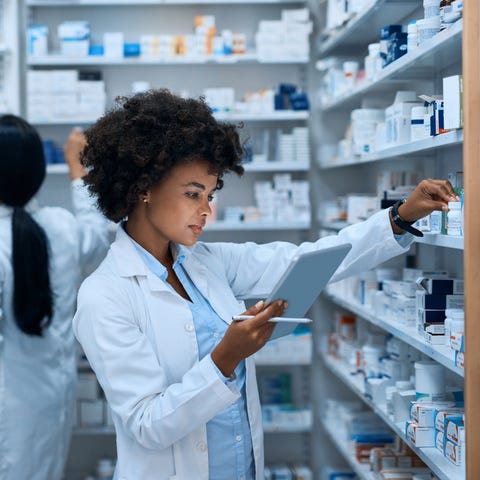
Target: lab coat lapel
x: 202, y: 279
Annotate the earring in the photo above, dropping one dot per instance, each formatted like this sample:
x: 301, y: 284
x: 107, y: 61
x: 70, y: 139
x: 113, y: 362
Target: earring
x: 145, y: 200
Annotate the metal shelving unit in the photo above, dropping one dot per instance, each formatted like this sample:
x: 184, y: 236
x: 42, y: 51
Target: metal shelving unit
x: 422, y: 63
x: 433, y: 239
x: 424, y: 147
x: 421, y: 70
x: 63, y: 61
x: 440, y: 353
x: 254, y: 226
x: 364, y: 27
x: 439, y: 465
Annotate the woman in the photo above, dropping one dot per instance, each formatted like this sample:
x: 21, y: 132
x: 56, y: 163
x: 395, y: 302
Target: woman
x: 42, y: 253
x: 155, y: 318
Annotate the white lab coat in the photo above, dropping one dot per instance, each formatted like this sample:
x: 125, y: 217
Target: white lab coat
x: 38, y: 374
x: 140, y: 339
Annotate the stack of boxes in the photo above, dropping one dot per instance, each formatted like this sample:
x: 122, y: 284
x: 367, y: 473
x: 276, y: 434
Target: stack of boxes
x: 285, y: 38
x: 435, y: 296
x: 284, y: 200
x: 64, y: 95
x: 438, y: 424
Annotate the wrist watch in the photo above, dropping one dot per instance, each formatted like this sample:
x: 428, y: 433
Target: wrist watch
x: 400, y: 222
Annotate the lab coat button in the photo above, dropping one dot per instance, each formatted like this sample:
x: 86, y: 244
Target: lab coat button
x: 238, y: 438
x: 215, y: 335
x: 202, y: 446
x: 189, y: 327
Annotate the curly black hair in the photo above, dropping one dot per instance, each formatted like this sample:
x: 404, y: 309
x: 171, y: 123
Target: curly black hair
x: 132, y: 147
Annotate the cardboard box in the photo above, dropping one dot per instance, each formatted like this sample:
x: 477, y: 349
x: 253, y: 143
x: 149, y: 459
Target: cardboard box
x: 453, y: 102
x: 420, y: 436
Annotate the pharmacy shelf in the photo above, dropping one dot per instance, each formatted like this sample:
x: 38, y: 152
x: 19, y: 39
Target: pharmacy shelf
x: 107, y: 3
x: 411, y: 149
x: 334, y: 226
x: 275, y: 116
x: 432, y: 56
x: 61, y: 168
x: 94, y: 431
x: 364, y: 27
x: 99, y: 431
x: 287, y: 428
x: 62, y: 60
x: 439, y: 465
x: 221, y: 226
x: 440, y: 353
x: 63, y: 121
x: 361, y: 469
x: 57, y: 169
x: 278, y: 116
x: 446, y: 241
x: 281, y: 361
x: 276, y: 167
x: 433, y: 239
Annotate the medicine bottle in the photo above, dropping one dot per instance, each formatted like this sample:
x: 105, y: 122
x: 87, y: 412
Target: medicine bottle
x: 412, y: 36
x: 454, y: 219
x: 417, y: 124
x: 452, y: 315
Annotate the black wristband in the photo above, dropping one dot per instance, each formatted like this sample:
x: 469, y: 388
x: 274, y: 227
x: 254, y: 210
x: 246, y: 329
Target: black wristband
x: 400, y: 222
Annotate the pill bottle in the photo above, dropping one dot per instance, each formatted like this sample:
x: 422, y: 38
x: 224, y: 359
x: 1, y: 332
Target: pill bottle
x: 429, y: 381
x: 451, y: 315
x: 431, y: 8
x: 412, y: 36
x: 417, y: 124
x: 428, y: 28
x: 454, y: 219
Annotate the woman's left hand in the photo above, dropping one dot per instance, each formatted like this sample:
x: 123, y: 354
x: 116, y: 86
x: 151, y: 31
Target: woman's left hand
x: 429, y: 195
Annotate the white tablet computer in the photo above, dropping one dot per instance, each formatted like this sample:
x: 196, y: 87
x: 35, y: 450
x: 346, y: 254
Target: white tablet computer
x: 305, y: 278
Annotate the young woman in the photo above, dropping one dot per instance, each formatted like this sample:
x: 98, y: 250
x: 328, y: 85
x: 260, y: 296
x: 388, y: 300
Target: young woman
x: 155, y: 318
x: 42, y: 253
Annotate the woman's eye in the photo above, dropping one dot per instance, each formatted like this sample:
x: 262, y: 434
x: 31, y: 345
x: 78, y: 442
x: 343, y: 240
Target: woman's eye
x: 193, y: 195
x: 210, y: 198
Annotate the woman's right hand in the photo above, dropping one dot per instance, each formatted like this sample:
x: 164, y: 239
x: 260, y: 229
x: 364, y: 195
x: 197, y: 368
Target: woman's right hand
x: 246, y: 337
x: 72, y: 150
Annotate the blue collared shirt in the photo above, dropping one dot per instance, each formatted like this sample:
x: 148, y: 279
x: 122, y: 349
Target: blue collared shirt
x: 230, y: 452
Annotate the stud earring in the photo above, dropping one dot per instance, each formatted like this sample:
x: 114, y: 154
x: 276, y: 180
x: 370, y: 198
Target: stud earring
x: 145, y: 200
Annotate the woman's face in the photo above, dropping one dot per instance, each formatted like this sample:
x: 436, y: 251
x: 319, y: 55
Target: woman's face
x: 177, y: 207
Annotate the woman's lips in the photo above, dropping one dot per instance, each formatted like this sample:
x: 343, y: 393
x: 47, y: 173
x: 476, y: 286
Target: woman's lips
x: 196, y: 229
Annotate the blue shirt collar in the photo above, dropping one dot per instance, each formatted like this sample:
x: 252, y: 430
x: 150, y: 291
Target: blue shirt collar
x: 152, y: 263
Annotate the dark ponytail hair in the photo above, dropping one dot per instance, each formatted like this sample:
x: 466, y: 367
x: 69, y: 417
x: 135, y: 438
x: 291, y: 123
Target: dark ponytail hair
x: 22, y: 171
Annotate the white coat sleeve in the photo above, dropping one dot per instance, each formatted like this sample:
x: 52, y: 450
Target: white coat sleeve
x: 92, y: 226
x: 252, y: 270
x: 155, y: 411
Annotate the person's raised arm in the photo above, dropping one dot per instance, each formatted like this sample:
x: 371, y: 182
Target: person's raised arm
x: 72, y: 151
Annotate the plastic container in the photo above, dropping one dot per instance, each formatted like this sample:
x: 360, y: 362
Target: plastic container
x: 373, y: 61
x: 412, y: 36
x: 350, y: 70
x: 454, y: 219
x: 417, y: 124
x: 371, y: 359
x: 429, y: 381
x: 428, y: 28
x: 431, y: 8
x: 452, y: 316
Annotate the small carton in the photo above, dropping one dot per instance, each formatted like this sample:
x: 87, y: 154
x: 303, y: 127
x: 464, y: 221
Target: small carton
x: 420, y: 436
